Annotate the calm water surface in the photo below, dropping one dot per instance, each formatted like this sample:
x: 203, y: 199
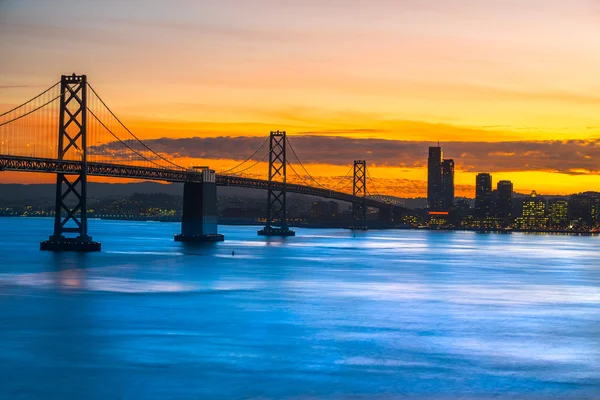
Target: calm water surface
x: 383, y: 314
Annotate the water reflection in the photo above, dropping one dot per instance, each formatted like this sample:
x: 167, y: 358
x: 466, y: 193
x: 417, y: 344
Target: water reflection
x: 324, y: 315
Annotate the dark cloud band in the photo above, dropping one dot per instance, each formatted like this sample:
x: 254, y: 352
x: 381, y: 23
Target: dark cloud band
x: 574, y: 157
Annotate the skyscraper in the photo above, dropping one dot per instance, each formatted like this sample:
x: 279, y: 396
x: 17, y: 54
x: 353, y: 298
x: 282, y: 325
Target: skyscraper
x: 533, y: 213
x: 448, y: 183
x: 558, y: 211
x: 483, y: 195
x: 435, y: 199
x: 504, y: 202
x: 584, y: 208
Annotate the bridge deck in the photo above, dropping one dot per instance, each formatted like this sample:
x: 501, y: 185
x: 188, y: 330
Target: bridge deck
x: 46, y: 165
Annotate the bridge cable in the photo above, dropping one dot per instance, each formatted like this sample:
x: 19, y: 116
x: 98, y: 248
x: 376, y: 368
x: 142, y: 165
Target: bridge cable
x: 252, y: 166
x: 375, y: 188
x: 308, y: 183
x: 308, y: 173
x: 330, y: 190
x: 125, y: 144
x: 247, y: 159
x: 298, y: 175
x: 342, y: 180
x: 372, y: 182
x: 345, y: 186
x: 32, y: 111
x: 131, y: 133
x: 30, y: 100
x: 302, y: 165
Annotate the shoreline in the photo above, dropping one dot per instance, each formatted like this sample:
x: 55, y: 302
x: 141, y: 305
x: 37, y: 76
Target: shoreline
x: 341, y: 226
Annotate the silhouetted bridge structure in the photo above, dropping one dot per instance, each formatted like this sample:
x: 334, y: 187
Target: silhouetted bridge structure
x: 53, y: 133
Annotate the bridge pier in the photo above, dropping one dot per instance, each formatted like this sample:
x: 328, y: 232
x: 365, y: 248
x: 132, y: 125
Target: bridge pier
x: 386, y: 217
x: 199, y: 220
x: 81, y: 244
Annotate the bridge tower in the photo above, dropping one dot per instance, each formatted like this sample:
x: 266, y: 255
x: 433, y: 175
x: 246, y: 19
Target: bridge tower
x: 359, y: 189
x: 276, y: 198
x: 71, y: 189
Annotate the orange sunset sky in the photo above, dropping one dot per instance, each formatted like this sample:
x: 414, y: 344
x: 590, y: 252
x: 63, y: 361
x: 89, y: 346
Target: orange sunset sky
x: 508, y: 87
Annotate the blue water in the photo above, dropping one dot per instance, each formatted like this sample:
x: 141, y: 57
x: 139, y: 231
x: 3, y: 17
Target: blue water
x: 326, y: 314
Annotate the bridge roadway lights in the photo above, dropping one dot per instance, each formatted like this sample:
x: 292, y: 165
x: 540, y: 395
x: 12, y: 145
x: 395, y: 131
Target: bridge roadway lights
x: 199, y: 219
x: 270, y: 231
x: 78, y: 244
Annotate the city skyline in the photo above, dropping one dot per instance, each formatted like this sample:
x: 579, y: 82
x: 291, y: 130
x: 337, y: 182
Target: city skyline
x: 498, y: 208
x: 532, y: 124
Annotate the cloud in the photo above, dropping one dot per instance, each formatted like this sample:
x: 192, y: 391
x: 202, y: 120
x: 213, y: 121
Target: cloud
x: 15, y: 86
x: 573, y: 157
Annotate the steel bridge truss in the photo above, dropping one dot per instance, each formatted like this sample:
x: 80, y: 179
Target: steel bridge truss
x: 71, y: 189
x: 16, y: 163
x: 30, y: 164
x: 359, y: 190
x: 276, y: 224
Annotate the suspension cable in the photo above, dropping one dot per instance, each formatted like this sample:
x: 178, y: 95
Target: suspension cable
x: 252, y: 166
x: 373, y: 184
x: 298, y: 175
x: 32, y: 111
x: 30, y: 100
x: 247, y: 159
x: 308, y: 173
x: 344, y: 187
x: 131, y: 133
x: 308, y: 183
x: 342, y: 180
x: 302, y: 165
x: 121, y: 141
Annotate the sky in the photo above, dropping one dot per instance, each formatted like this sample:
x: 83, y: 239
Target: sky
x: 508, y: 87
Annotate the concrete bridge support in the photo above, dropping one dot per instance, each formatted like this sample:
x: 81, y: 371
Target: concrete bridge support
x: 386, y: 217
x: 199, y: 221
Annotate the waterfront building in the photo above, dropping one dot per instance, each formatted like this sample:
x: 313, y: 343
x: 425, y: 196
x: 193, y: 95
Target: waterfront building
x: 411, y: 220
x: 504, y: 202
x: 558, y: 213
x: 483, y: 196
x: 324, y: 211
x: 584, y: 209
x: 533, y: 214
x: 438, y: 219
x: 448, y: 183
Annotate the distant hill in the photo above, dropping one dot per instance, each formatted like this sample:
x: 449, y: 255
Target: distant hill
x: 17, y: 192
x: 102, y: 191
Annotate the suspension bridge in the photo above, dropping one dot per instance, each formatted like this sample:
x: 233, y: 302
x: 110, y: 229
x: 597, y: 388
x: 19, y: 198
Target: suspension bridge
x: 69, y: 130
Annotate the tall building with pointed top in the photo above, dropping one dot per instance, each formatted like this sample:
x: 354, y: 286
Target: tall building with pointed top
x: 440, y: 181
x: 435, y: 198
